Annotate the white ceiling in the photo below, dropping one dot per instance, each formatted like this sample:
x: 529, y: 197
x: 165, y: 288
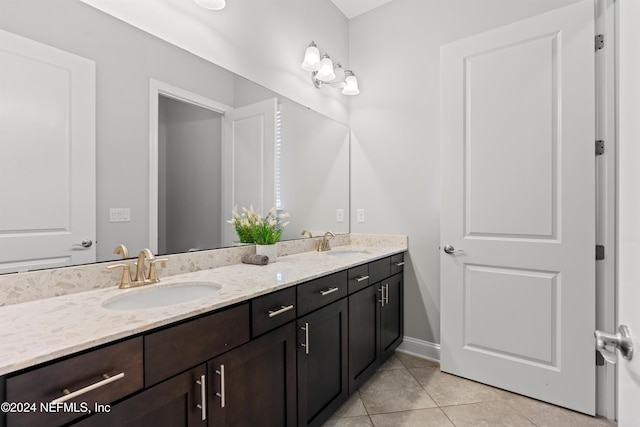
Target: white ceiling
x: 353, y: 8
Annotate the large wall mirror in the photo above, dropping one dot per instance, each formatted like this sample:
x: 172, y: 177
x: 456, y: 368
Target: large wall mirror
x: 200, y: 137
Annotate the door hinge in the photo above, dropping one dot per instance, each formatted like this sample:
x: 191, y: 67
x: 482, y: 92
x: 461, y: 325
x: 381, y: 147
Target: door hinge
x: 599, y: 252
x: 599, y: 147
x: 599, y: 359
x: 599, y: 41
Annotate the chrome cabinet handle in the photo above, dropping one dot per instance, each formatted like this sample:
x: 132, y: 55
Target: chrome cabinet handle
x: 381, y: 300
x: 203, y: 397
x: 85, y: 243
x: 305, y: 344
x: 399, y: 263
x: 449, y: 249
x: 386, y: 294
x: 328, y: 291
x: 283, y: 309
x: 361, y: 278
x: 222, y: 393
x: 70, y: 395
x: 621, y: 341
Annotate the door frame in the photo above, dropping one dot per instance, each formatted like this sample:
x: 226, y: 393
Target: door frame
x: 156, y: 89
x: 606, y: 199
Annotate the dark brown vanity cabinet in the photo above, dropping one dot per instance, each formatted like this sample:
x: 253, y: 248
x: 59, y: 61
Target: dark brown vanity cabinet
x: 176, y: 402
x: 255, y: 384
x: 322, y: 362
x: 375, y: 320
x: 290, y: 357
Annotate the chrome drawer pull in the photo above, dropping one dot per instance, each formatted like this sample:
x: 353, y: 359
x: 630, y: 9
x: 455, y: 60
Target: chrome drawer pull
x: 274, y: 313
x: 222, y: 393
x: 328, y: 291
x: 203, y: 397
x: 70, y: 395
x: 305, y: 328
x: 399, y: 264
x: 361, y: 278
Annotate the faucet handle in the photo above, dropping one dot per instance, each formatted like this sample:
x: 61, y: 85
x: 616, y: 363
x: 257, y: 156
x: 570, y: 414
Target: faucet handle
x: 125, y: 280
x: 153, y: 274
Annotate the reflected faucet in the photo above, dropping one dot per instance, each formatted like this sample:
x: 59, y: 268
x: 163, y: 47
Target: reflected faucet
x: 324, y: 244
x: 306, y: 232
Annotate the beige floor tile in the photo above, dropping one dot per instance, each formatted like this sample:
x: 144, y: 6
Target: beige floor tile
x: 363, y: 421
x: 353, y: 407
x: 392, y: 391
x: 486, y: 414
x: 447, y: 390
x: 546, y: 415
x: 392, y: 363
x: 433, y: 417
x: 410, y: 361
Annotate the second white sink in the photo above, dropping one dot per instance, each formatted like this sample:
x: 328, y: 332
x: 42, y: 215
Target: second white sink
x: 154, y: 297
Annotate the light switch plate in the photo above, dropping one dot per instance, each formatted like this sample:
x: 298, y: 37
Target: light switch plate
x: 360, y: 215
x: 119, y: 215
x: 339, y: 215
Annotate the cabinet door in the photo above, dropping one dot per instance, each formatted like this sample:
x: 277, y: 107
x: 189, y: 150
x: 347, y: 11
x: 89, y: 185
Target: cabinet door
x: 364, y: 335
x: 175, y: 402
x: 322, y: 363
x: 255, y: 384
x: 391, y: 316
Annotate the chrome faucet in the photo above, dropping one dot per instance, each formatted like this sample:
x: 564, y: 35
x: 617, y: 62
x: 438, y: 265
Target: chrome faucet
x: 323, y: 245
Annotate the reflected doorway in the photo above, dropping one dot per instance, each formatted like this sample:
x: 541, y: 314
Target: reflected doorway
x: 189, y: 176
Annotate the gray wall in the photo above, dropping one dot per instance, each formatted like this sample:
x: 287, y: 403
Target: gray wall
x: 396, y: 172
x: 190, y: 177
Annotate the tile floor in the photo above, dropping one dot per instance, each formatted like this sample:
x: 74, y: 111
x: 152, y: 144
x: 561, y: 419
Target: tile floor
x: 412, y: 392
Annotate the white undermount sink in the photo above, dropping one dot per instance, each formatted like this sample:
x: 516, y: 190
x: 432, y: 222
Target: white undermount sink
x: 153, y: 297
x: 345, y: 252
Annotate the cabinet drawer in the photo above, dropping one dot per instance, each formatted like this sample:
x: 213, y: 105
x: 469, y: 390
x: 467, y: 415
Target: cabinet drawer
x: 320, y: 292
x: 397, y: 263
x: 272, y: 310
x: 358, y: 278
x: 379, y: 270
x: 98, y: 377
x: 178, y: 348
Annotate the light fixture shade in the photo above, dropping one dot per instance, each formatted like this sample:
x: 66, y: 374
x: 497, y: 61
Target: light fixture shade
x: 326, y: 73
x: 351, y: 87
x: 311, y: 58
x: 212, y: 4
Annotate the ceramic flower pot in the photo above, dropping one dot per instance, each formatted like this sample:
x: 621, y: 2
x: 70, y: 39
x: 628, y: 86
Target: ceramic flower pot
x: 269, y: 250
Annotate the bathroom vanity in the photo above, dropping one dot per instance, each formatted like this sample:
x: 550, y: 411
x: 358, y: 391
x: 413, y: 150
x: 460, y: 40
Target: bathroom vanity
x: 285, y: 354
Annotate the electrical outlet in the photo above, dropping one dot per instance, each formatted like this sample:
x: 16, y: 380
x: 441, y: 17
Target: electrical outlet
x: 119, y: 215
x: 339, y: 215
x: 360, y: 215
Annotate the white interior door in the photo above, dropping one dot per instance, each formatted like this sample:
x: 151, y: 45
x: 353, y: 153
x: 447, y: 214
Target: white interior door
x: 518, y: 207
x: 629, y: 207
x: 249, y: 154
x: 47, y: 156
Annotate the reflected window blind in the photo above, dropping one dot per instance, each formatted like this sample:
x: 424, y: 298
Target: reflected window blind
x: 278, y: 161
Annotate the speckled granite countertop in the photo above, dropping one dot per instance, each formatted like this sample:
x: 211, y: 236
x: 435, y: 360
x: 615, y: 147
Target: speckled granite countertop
x: 42, y: 330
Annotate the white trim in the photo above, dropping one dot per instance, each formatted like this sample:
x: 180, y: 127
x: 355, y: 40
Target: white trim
x: 606, y: 200
x: 157, y: 88
x: 419, y: 348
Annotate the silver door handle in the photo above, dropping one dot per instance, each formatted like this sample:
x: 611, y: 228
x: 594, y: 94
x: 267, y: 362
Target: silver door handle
x: 222, y: 394
x: 361, y: 278
x: 203, y: 396
x: 328, y: 291
x: 85, y: 243
x: 381, y: 300
x: 66, y: 394
x: 449, y: 249
x: 621, y: 341
x: 283, y: 309
x: 305, y: 328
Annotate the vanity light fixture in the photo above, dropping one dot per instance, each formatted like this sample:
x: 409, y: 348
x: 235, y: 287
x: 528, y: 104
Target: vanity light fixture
x: 323, y: 71
x: 212, y: 4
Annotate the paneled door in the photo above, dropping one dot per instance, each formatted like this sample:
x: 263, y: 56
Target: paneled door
x: 250, y: 162
x: 518, y: 207
x: 47, y: 156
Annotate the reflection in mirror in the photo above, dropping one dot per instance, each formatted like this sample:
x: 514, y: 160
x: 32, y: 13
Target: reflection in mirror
x: 308, y: 175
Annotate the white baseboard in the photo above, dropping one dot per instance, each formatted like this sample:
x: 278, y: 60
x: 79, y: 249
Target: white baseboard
x: 420, y: 348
